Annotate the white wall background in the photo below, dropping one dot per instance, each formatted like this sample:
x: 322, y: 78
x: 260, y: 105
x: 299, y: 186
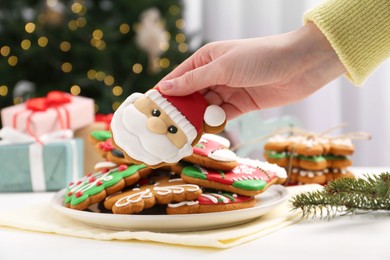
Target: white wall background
x: 364, y: 109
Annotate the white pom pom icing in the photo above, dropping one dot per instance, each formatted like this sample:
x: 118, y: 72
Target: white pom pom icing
x: 214, y: 116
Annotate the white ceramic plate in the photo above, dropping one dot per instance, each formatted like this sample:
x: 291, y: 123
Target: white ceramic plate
x: 265, y: 202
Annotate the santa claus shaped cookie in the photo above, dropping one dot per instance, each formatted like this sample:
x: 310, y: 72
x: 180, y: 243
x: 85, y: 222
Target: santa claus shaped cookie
x: 158, y: 130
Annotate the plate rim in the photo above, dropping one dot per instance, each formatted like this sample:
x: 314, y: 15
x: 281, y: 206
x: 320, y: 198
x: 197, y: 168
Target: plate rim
x: 281, y: 194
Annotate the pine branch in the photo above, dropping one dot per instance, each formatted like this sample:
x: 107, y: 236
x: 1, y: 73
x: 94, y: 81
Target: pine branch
x: 345, y: 195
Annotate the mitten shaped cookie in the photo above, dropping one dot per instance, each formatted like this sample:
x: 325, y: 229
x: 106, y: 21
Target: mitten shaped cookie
x: 212, y: 152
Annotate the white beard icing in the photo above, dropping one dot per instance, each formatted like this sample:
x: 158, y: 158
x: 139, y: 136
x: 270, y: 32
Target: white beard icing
x: 131, y: 134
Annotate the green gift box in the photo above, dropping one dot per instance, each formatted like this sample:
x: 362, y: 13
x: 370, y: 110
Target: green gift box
x: 40, y: 167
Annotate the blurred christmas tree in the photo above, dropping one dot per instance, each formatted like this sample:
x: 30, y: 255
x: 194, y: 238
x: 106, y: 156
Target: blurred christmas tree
x: 104, y: 49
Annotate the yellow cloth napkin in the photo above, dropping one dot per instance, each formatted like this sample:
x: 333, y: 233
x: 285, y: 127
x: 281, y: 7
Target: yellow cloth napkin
x: 43, y: 218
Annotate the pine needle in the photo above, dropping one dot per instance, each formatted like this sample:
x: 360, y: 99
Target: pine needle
x: 346, y: 195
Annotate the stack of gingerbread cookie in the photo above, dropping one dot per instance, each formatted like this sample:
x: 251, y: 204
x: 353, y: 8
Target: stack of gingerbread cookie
x: 309, y: 158
x: 212, y: 179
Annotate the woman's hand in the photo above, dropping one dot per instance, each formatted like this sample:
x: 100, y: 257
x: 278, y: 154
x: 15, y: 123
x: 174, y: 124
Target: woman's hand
x: 251, y: 74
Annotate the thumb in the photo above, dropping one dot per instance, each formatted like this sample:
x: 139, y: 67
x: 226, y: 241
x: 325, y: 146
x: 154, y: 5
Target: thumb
x: 190, y: 82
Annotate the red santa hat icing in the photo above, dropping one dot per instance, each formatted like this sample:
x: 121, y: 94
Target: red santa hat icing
x: 189, y: 112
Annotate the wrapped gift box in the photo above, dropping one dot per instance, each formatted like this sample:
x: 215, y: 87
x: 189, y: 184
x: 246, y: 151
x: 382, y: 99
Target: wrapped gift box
x: 42, y: 116
x: 56, y: 166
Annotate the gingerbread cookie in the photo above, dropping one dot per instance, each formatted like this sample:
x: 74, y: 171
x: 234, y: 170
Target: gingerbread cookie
x: 249, y: 178
x: 174, y: 123
x: 212, y: 202
x: 99, y: 136
x: 95, y: 187
x: 341, y: 146
x: 156, y: 190
x: 313, y: 176
x: 212, y: 152
x: 315, y: 163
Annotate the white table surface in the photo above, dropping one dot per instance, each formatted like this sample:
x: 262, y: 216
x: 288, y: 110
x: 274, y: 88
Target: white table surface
x: 347, y: 237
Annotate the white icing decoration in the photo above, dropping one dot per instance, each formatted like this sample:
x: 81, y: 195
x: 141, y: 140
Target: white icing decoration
x: 84, y: 186
x: 216, y: 138
x: 210, y: 197
x: 100, y: 165
x: 176, y: 189
x: 223, y: 155
x: 183, y: 203
x: 214, y: 116
x: 129, y: 199
x: 266, y: 166
x: 343, y: 142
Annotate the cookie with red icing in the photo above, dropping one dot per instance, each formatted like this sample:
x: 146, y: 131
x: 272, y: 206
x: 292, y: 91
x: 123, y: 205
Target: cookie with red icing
x: 212, y: 151
x: 157, y: 130
x: 102, y: 141
x: 159, y: 189
x: 212, y: 202
x: 95, y: 187
x: 249, y: 178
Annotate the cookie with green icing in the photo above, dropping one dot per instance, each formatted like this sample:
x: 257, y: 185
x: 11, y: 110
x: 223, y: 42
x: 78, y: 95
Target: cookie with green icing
x: 249, y: 178
x: 212, y: 202
x: 95, y: 187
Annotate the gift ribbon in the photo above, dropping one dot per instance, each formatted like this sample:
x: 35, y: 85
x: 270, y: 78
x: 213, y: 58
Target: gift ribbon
x: 106, y: 119
x: 53, y: 100
x: 12, y: 136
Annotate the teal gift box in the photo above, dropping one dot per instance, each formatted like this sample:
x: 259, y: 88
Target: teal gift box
x: 51, y: 167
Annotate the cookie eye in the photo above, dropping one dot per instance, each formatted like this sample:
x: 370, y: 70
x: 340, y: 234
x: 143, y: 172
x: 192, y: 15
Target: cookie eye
x: 156, y: 112
x: 172, y: 129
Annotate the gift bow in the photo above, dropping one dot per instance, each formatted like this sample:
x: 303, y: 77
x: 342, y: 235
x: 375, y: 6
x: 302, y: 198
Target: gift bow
x: 53, y: 99
x: 10, y: 135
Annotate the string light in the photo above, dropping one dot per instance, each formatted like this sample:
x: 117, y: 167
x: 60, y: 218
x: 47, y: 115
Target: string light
x: 29, y: 27
x: 81, y: 22
x: 12, y: 61
x: 43, y: 41
x: 164, y: 63
x: 18, y: 100
x: 5, y: 50
x: 180, y: 37
x: 183, y: 47
x: 66, y: 67
x: 75, y: 90
x: 65, y: 46
x: 3, y: 90
x: 137, y: 68
x: 72, y: 25
x: 109, y: 80
x: 91, y: 74
x: 124, y: 28
x: 25, y: 44
x: 97, y: 34
x: 76, y: 8
x: 115, y: 105
x: 180, y: 24
x: 100, y: 75
x: 117, y: 91
x: 173, y: 10
x: 164, y: 46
